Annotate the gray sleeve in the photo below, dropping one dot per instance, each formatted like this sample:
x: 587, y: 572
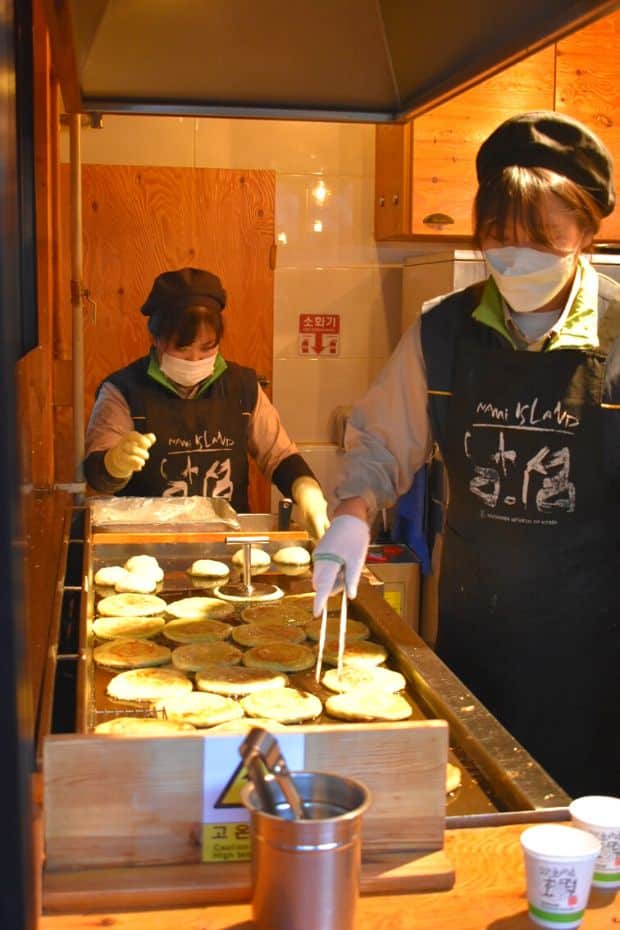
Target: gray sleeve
x: 109, y: 421
x: 388, y: 435
x: 268, y: 441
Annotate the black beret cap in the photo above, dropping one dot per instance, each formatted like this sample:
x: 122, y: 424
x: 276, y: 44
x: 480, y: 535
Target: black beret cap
x: 545, y: 139
x: 187, y: 287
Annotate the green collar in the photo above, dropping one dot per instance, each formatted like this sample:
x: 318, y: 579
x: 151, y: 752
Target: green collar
x: 579, y: 329
x: 155, y: 372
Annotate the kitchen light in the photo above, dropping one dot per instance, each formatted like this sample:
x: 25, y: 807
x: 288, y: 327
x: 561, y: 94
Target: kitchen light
x: 320, y: 193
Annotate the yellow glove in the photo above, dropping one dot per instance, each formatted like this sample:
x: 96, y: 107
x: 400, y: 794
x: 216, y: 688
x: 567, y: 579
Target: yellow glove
x: 129, y: 454
x: 309, y: 498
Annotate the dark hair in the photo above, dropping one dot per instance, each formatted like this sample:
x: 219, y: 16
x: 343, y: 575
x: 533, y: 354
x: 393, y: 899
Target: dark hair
x: 515, y: 195
x: 180, y: 327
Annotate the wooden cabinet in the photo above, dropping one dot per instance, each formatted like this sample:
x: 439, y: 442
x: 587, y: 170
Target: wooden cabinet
x: 393, y: 193
x: 425, y: 168
x: 446, y: 141
x: 588, y: 88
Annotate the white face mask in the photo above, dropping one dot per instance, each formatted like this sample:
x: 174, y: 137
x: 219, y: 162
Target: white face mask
x: 184, y: 372
x: 527, y: 279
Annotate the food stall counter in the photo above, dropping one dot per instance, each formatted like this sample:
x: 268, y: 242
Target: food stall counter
x: 489, y: 892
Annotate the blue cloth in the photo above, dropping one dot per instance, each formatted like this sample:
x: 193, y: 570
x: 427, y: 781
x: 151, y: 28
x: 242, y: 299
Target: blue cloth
x: 410, y: 519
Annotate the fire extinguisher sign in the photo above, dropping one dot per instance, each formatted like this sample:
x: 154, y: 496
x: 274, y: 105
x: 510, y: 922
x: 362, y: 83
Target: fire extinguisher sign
x: 319, y: 334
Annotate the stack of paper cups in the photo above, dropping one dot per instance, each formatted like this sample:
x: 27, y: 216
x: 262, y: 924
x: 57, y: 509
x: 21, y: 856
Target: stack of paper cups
x: 600, y: 816
x: 559, y: 862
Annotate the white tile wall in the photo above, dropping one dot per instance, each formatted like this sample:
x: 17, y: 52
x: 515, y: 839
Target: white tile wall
x: 337, y: 232
x: 308, y: 392
x: 286, y: 147
x: 367, y: 299
x: 137, y: 140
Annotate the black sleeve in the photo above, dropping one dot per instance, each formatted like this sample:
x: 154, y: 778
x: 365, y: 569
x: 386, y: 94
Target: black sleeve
x: 97, y: 476
x: 287, y: 472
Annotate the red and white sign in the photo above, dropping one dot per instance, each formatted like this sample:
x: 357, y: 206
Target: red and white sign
x: 319, y: 334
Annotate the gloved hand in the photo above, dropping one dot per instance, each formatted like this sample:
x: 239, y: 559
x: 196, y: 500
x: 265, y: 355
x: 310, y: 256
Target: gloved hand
x: 309, y: 498
x: 339, y: 558
x: 129, y: 454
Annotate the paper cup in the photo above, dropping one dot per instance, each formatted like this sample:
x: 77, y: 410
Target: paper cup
x: 559, y: 862
x: 600, y: 816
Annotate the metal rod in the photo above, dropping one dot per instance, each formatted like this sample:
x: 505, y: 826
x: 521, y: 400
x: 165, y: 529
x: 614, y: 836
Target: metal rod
x: 319, y: 655
x: 342, y: 630
x: 247, y: 567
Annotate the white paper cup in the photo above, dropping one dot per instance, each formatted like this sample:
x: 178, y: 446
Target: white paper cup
x: 559, y: 862
x: 600, y: 816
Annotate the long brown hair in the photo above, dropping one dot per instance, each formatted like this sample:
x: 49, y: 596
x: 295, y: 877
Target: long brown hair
x: 515, y: 196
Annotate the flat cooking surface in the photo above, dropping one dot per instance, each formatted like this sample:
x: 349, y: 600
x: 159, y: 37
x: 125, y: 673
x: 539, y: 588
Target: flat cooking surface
x: 175, y: 558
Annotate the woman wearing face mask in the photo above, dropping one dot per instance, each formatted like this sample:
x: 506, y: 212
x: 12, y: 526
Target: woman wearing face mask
x: 516, y: 383
x: 182, y: 420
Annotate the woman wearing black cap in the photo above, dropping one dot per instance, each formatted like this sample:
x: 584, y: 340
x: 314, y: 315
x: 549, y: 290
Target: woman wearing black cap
x: 182, y: 420
x: 515, y: 382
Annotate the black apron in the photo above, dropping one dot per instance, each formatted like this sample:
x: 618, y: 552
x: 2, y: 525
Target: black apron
x: 529, y: 602
x: 202, y: 442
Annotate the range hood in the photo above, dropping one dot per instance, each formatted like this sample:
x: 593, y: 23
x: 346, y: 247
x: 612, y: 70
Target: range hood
x: 362, y: 60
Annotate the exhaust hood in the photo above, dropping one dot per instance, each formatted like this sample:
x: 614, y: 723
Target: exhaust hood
x: 363, y: 60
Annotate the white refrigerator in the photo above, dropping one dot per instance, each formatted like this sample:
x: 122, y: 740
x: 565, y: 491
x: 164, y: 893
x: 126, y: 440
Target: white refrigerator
x: 428, y: 276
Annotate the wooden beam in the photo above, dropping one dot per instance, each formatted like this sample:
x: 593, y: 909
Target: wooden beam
x: 64, y: 58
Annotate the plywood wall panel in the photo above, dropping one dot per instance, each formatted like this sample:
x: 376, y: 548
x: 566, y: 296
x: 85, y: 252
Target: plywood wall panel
x: 235, y: 221
x: 63, y: 444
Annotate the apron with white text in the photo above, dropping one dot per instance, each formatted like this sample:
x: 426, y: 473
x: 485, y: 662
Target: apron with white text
x: 202, y: 442
x: 530, y: 576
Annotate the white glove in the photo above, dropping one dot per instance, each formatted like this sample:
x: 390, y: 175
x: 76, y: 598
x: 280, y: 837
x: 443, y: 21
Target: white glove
x: 339, y: 558
x: 129, y: 454
x: 309, y: 498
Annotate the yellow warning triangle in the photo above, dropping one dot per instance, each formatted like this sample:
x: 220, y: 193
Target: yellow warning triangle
x: 231, y: 795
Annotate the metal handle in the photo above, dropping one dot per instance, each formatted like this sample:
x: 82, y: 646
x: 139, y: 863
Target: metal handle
x: 438, y: 219
x: 284, y: 513
x: 246, y: 544
x: 261, y: 745
x: 235, y: 540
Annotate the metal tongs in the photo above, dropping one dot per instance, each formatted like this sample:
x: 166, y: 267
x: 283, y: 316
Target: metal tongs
x: 264, y: 762
x: 342, y: 634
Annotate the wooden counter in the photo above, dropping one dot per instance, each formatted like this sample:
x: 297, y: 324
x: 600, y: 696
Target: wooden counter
x: 488, y: 893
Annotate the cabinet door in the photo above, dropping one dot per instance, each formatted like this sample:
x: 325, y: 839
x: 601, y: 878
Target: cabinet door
x: 425, y: 174
x: 447, y: 138
x: 587, y: 89
x: 393, y: 181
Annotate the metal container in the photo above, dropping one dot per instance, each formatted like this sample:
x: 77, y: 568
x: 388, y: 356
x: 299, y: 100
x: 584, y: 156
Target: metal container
x: 305, y: 873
